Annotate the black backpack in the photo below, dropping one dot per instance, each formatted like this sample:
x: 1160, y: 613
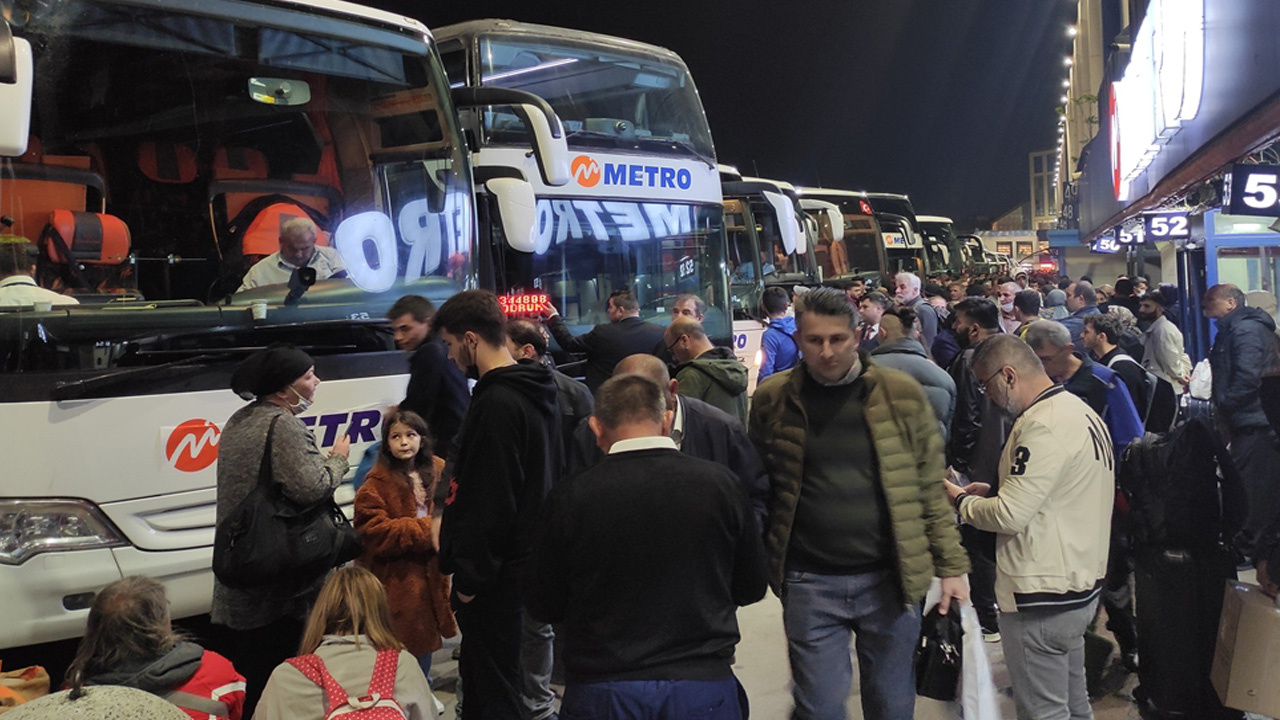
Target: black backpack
x: 1175, y: 495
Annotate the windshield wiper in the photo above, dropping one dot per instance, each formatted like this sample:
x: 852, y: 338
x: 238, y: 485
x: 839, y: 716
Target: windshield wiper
x: 686, y: 146
x: 79, y: 388
x: 618, y: 140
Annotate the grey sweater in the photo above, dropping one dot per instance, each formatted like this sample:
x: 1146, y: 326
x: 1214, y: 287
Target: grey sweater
x: 307, y: 477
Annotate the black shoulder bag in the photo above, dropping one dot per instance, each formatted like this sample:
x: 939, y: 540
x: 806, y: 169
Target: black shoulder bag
x: 269, y: 539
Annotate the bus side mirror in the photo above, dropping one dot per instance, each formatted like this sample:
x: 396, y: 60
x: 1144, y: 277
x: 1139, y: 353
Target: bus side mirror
x: 518, y: 213
x: 15, y: 92
x: 549, y: 143
x: 787, y: 224
x: 835, y: 218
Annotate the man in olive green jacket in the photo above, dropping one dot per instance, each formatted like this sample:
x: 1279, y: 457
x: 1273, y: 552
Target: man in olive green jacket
x: 859, y: 521
x: 706, y: 372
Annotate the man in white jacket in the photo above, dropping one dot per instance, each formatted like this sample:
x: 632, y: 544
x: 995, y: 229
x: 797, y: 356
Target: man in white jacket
x: 1051, y: 518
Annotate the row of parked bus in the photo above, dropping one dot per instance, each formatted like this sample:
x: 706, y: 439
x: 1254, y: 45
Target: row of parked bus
x: 150, y: 150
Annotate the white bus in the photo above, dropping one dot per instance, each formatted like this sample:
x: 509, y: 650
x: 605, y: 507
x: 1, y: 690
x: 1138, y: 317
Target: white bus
x: 150, y: 149
x: 642, y: 210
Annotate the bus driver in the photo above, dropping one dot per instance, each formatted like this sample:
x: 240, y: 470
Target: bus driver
x: 297, y: 249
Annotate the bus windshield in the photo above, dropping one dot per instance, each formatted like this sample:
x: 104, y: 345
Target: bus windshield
x: 607, y: 97
x: 861, y: 234
x: 181, y: 143
x: 656, y: 250
x: 189, y: 128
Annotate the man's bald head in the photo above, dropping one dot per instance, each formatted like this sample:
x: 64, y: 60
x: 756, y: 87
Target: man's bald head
x: 1011, y: 375
x: 1004, y: 350
x: 644, y: 364
x: 686, y: 339
x: 651, y: 367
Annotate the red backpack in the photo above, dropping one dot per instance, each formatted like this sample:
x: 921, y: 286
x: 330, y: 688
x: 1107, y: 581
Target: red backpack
x: 378, y: 704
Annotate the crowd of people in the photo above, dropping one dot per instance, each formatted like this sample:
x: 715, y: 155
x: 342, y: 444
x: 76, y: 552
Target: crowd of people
x: 967, y: 430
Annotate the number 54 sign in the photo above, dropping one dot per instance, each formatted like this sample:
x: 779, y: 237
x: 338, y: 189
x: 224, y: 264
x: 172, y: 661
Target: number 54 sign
x: 1253, y: 190
x: 1160, y: 226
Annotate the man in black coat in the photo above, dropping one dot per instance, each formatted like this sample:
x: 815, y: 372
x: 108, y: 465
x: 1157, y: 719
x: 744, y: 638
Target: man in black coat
x: 1244, y: 351
x: 625, y: 334
x: 643, y: 561
x: 437, y: 390
x: 528, y: 343
x: 698, y: 429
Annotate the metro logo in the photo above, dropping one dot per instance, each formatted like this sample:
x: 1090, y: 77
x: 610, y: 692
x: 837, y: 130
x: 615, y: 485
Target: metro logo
x: 586, y: 171
x: 192, y: 446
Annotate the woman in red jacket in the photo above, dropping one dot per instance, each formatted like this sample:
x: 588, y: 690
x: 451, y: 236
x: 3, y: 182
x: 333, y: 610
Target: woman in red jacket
x: 401, y: 538
x: 128, y: 641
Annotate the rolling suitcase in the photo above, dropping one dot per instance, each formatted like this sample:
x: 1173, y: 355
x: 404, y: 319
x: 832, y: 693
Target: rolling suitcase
x: 1178, y: 601
x: 1186, y: 501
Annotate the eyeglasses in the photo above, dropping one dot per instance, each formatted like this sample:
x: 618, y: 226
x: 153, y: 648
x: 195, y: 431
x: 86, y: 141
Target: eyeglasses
x: 982, y: 384
x: 672, y: 346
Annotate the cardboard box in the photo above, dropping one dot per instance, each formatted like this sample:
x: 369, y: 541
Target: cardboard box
x: 1246, y: 663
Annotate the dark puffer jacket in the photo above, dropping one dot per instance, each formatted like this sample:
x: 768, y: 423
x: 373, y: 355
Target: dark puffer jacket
x: 1245, y: 347
x: 909, y: 452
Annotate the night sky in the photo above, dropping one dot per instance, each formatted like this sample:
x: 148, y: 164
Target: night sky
x: 940, y: 99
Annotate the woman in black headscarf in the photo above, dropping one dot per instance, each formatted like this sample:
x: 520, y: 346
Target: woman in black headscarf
x: 265, y: 622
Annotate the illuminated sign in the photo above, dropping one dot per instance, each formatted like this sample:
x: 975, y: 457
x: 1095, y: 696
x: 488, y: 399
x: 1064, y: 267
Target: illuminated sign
x: 422, y: 240
x: 894, y: 240
x: 602, y: 220
x: 1166, y: 225
x: 1160, y: 89
x: 1253, y: 190
x: 1105, y: 245
x: 589, y: 172
x: 523, y: 303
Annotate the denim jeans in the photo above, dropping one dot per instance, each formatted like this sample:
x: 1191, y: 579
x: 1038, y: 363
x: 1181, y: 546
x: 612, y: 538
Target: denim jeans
x: 655, y: 700
x: 1044, y: 650
x: 536, y: 659
x: 820, y: 613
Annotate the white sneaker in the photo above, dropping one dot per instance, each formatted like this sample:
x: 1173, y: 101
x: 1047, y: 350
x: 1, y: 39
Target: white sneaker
x: 439, y: 705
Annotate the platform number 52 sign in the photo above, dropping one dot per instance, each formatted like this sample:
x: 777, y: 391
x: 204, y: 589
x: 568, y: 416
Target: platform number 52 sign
x: 1253, y: 190
x: 1160, y: 226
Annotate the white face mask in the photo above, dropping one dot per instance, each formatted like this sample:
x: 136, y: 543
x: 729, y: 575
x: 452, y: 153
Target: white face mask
x: 1007, y: 308
x: 302, y: 405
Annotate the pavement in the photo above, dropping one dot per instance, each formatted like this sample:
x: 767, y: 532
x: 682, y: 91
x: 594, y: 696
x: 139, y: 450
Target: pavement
x: 763, y: 670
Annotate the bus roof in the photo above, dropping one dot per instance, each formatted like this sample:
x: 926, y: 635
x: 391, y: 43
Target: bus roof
x: 340, y: 7
x: 473, y: 28
x: 781, y: 185
x: 933, y: 218
x: 832, y: 192
x: 887, y: 196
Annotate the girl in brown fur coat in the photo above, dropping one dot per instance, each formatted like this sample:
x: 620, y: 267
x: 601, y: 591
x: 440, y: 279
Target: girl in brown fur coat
x: 401, y: 538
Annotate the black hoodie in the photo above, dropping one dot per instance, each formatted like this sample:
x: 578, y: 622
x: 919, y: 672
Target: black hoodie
x: 508, y: 455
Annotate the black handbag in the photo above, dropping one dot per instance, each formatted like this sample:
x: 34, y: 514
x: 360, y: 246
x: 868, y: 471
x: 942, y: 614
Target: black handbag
x: 939, y: 654
x: 269, y: 539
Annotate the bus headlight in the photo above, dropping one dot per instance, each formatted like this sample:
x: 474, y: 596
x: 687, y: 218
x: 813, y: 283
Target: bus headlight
x: 31, y: 527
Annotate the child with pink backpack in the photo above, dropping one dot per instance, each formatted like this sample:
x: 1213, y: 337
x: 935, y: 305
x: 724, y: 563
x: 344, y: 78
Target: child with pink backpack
x: 351, y: 664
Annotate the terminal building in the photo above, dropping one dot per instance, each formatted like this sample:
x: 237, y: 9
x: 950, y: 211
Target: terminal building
x: 1168, y: 152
